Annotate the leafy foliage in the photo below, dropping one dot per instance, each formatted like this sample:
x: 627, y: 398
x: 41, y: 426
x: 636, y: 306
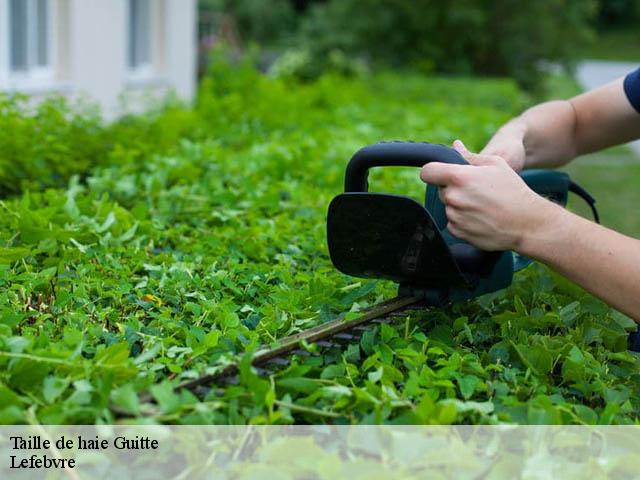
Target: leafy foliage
x: 44, y: 144
x: 257, y: 20
x: 503, y: 37
x: 164, y: 265
x: 617, y: 13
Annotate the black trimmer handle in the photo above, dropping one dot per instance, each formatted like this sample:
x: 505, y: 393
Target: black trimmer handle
x: 394, y: 154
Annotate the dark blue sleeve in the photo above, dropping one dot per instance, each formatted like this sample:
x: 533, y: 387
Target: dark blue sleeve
x: 632, y: 88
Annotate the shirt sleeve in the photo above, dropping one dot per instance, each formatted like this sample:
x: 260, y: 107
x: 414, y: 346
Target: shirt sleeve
x: 632, y: 88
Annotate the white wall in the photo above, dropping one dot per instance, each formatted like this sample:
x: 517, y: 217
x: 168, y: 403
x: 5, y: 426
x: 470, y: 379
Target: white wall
x: 96, y: 53
x: 181, y: 46
x: 90, y: 54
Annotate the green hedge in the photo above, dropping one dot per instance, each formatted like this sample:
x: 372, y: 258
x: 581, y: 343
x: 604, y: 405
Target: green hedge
x: 43, y: 144
x: 161, y: 266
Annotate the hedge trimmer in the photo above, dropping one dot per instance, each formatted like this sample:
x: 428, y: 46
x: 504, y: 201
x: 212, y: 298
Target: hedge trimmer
x: 393, y: 237
x: 386, y: 236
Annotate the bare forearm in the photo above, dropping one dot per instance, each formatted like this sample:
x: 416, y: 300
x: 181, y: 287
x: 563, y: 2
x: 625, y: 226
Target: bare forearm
x: 553, y: 133
x: 547, y: 132
x: 602, y: 261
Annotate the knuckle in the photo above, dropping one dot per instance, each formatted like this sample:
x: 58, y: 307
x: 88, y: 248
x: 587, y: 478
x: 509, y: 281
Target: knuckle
x: 452, y: 214
x: 454, y: 199
x: 458, y: 177
x: 454, y: 230
x: 449, y: 201
x: 426, y: 172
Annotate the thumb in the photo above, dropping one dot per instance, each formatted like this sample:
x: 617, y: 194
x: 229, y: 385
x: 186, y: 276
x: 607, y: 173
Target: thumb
x: 473, y: 158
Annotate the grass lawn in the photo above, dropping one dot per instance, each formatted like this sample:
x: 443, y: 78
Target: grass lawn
x: 613, y: 178
x: 620, y: 45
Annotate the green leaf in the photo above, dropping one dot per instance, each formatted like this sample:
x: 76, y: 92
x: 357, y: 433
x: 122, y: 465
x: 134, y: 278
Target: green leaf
x: 163, y: 393
x: 536, y: 357
x: 126, y: 398
x: 332, y: 371
x: 54, y: 387
x: 298, y: 384
x: 336, y: 391
x: 569, y: 313
x: 376, y: 375
x: 12, y: 254
x: 468, y: 406
x: 352, y: 354
x: 367, y: 341
x: 624, y: 321
x: 468, y: 384
x: 148, y: 354
x: 10, y: 318
x: 9, y: 398
x: 574, y: 366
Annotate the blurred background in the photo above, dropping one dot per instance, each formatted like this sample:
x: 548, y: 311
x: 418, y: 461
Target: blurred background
x: 497, y: 38
x: 104, y: 48
x: 99, y: 49
x: 130, y: 56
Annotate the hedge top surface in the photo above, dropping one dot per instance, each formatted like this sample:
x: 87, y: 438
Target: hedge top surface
x: 164, y: 263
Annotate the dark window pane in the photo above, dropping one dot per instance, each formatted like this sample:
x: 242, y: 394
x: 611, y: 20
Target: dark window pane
x: 42, y: 32
x: 132, y: 31
x: 139, y: 32
x: 18, y: 34
x: 145, y: 31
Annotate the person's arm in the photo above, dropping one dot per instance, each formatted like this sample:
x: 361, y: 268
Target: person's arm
x: 553, y: 133
x: 602, y: 261
x: 489, y: 205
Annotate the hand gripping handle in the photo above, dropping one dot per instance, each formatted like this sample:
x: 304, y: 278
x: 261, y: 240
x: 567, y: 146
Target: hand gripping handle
x: 414, y: 154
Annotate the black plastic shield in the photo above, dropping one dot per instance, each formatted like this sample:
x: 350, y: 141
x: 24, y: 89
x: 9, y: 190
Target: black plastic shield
x: 375, y: 235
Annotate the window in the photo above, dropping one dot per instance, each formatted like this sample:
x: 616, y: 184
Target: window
x: 29, y: 46
x: 140, y: 35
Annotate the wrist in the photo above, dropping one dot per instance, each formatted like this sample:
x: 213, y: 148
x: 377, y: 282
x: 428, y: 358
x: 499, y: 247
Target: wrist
x: 540, y: 228
x: 516, y: 129
x: 509, y: 144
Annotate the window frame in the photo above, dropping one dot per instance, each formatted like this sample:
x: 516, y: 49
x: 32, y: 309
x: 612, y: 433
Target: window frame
x: 35, y: 75
x: 5, y: 34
